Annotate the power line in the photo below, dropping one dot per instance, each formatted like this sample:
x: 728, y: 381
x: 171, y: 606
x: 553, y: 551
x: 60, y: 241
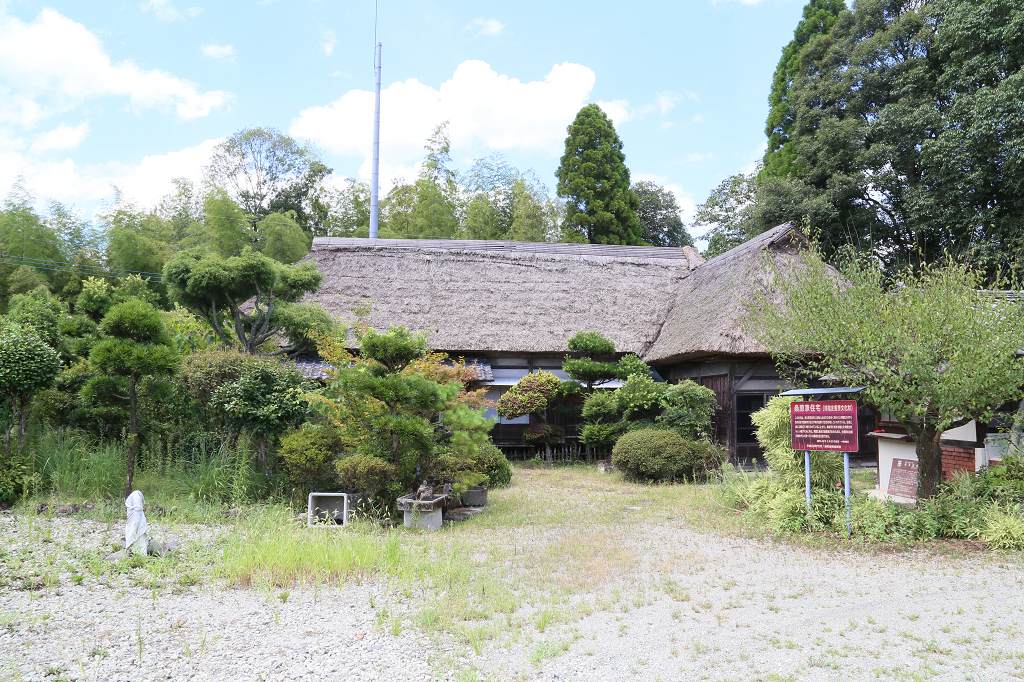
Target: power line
x: 77, y: 266
x: 73, y: 272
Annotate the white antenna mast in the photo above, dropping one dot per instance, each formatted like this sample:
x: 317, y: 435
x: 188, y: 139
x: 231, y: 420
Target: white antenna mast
x: 375, y: 167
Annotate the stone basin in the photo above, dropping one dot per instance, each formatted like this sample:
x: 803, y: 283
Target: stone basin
x: 408, y: 503
x: 425, y: 514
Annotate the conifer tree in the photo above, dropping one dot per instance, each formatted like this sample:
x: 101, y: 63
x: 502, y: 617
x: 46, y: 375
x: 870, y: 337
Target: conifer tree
x: 818, y: 18
x: 134, y: 345
x: 594, y: 181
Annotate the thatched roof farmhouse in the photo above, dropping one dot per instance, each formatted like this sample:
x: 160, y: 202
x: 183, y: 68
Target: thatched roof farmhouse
x: 511, y: 306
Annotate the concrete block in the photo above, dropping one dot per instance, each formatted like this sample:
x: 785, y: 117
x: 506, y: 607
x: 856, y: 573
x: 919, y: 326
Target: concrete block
x: 428, y: 521
x: 323, y: 507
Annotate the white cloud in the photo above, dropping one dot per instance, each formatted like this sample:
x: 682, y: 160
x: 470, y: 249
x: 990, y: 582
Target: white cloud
x: 53, y: 63
x: 166, y: 11
x: 620, y: 112
x: 61, y: 137
x: 486, y: 27
x: 664, y: 101
x: 697, y: 157
x: 483, y: 108
x: 89, y: 185
x: 219, y: 52
x: 617, y: 110
x: 697, y: 118
x: 329, y: 41
x: 666, y: 125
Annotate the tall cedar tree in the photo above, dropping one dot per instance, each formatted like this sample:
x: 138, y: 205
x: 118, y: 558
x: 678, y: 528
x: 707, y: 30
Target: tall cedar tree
x: 594, y: 181
x: 779, y: 160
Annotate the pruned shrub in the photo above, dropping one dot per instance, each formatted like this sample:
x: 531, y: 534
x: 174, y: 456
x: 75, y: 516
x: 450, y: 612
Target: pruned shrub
x: 663, y: 455
x: 309, y: 453
x: 492, y: 462
x: 648, y: 454
x: 701, y: 461
x: 366, y: 474
x: 689, y: 408
x: 483, y: 465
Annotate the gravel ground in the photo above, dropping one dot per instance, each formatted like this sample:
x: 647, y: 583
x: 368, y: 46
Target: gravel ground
x: 700, y: 607
x: 96, y: 630
x: 730, y: 609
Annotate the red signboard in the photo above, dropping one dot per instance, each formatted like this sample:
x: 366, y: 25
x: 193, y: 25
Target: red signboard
x: 903, y: 478
x: 825, y: 425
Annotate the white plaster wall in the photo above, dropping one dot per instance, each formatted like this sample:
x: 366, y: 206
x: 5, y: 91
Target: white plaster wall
x: 889, y: 450
x: 968, y: 431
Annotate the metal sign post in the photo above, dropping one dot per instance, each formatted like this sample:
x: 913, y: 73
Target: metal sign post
x: 807, y: 477
x: 846, y: 490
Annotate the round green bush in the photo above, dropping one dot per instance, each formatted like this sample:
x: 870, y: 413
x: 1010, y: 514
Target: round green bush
x: 309, y: 455
x: 366, y: 474
x: 662, y: 455
x: 491, y: 461
x: 649, y: 454
x: 702, y: 461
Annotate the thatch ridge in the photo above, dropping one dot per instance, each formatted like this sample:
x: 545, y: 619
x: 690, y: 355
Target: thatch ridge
x: 705, y: 318
x: 687, y: 253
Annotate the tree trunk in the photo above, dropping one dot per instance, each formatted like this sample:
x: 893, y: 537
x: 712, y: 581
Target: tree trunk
x: 1017, y: 432
x: 261, y: 452
x: 394, y: 436
x: 133, y: 437
x: 929, y: 461
x: 21, y: 422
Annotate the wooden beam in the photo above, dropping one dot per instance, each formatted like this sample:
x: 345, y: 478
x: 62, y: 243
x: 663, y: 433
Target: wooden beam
x: 746, y: 376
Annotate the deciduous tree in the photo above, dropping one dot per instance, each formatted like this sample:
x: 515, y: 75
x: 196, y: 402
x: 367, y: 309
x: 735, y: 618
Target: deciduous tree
x: 933, y: 347
x: 265, y: 171
x: 658, y: 212
x: 27, y: 366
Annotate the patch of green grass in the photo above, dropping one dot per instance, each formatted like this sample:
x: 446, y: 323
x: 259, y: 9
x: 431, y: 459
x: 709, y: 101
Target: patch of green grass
x: 547, y: 650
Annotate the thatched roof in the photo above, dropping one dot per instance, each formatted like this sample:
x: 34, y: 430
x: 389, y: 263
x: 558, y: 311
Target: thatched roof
x: 705, y: 318
x: 513, y: 297
x: 473, y: 297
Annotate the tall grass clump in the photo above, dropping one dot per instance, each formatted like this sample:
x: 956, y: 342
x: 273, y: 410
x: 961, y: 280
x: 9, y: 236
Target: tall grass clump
x: 223, y: 472
x: 68, y: 463
x: 270, y: 548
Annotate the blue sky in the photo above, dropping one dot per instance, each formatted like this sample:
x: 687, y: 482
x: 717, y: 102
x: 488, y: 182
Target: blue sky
x: 134, y: 93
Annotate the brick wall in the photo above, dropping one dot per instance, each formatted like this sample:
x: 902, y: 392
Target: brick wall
x: 956, y: 459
